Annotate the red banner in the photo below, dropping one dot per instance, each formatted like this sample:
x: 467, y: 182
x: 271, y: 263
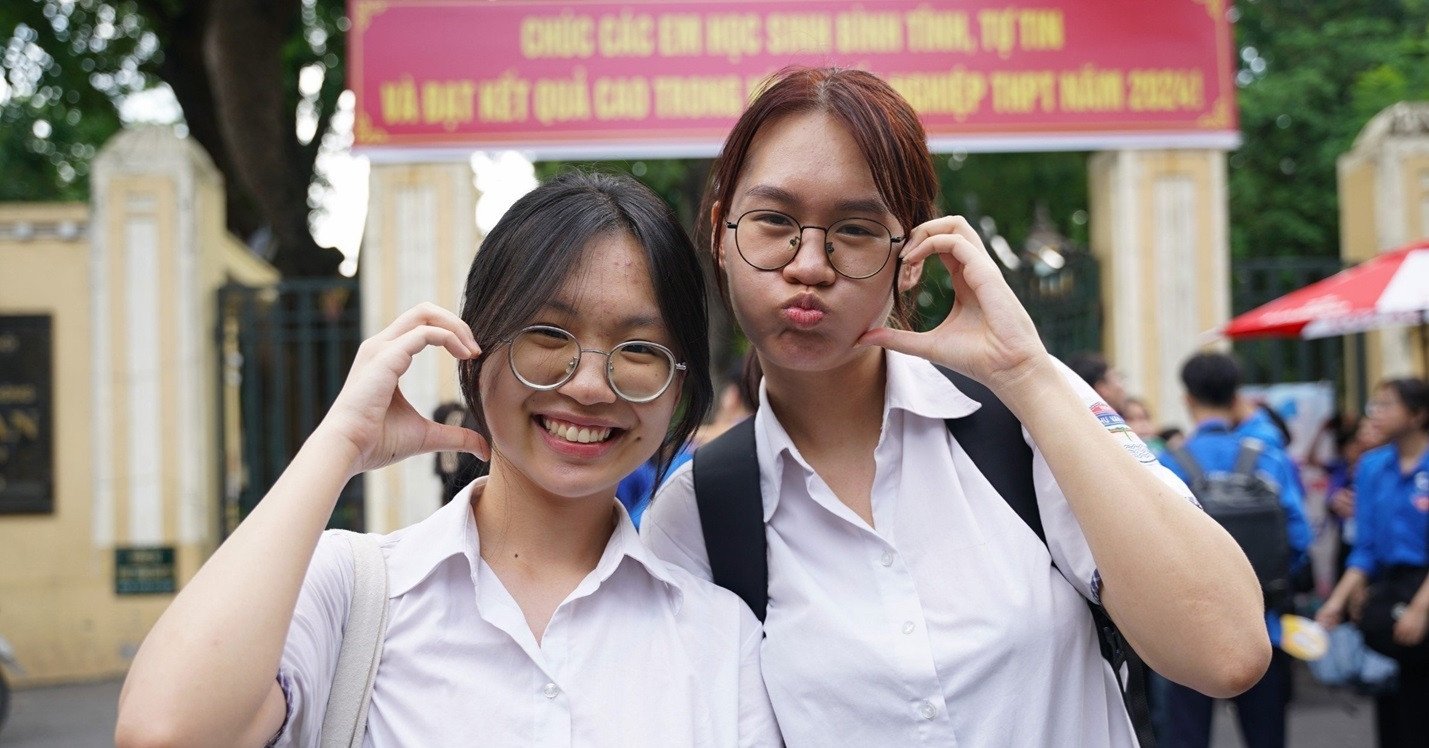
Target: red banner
x: 669, y: 78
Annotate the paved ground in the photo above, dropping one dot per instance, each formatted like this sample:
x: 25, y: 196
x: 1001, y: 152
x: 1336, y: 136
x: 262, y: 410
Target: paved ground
x: 83, y: 715
x: 77, y: 716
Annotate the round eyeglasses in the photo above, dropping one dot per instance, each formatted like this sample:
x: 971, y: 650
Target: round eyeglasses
x: 545, y: 357
x: 856, y: 247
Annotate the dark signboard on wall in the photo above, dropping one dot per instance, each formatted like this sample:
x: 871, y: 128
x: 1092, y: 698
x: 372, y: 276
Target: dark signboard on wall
x: 27, y: 432
x: 144, y: 571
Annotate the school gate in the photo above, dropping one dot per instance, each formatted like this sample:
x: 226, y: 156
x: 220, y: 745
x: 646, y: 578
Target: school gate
x: 284, y: 351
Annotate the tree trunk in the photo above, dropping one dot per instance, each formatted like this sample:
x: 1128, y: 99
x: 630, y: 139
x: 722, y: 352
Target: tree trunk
x: 243, y: 51
x: 183, y: 69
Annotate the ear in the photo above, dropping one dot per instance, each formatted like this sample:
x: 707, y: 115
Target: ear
x: 716, y: 235
x: 909, y: 273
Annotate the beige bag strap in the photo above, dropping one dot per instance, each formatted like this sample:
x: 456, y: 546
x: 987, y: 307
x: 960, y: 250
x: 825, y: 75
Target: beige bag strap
x: 345, y: 721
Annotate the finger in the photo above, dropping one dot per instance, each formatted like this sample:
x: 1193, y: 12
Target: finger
x: 945, y: 226
x: 398, y: 354
x: 904, y: 341
x: 443, y: 437
x: 969, y: 266
x: 431, y: 315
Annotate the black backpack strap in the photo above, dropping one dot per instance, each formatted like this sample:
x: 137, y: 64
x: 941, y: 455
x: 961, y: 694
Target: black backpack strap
x: 1187, y: 463
x: 1248, y: 454
x: 726, y: 473
x: 992, y: 437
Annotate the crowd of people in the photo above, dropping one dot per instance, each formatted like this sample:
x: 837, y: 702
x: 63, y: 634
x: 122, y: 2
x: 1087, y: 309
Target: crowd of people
x: 1375, y: 501
x: 917, y: 537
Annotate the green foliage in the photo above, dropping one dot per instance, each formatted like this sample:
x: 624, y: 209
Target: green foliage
x: 1312, y: 75
x: 680, y: 182
x: 69, y: 65
x: 66, y: 66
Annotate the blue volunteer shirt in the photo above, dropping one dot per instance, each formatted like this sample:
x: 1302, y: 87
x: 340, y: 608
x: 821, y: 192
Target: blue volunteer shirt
x: 1391, y: 512
x: 1259, y: 425
x: 635, y: 490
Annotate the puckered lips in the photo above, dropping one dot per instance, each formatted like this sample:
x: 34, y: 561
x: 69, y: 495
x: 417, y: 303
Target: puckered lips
x: 805, y: 311
x: 578, y: 436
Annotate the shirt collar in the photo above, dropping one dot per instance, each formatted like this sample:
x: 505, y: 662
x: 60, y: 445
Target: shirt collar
x: 913, y: 385
x: 451, y: 531
x: 625, y: 544
x: 1213, y: 424
x: 420, y: 548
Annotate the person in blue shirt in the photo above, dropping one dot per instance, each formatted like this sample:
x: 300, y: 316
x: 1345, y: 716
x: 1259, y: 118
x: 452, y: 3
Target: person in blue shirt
x: 1212, y: 381
x: 636, y: 490
x: 1392, y: 523
x: 1261, y: 422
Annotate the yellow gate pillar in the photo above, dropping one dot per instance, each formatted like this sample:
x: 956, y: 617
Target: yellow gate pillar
x: 1159, y: 227
x: 421, y: 236
x: 1384, y: 203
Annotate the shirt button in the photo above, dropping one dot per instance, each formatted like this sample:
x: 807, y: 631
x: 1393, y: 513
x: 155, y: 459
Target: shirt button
x: 551, y: 690
x: 908, y: 627
x: 886, y: 559
x: 926, y: 710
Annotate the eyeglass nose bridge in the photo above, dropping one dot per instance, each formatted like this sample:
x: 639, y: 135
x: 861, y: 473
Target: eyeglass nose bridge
x: 573, y: 364
x: 796, y: 241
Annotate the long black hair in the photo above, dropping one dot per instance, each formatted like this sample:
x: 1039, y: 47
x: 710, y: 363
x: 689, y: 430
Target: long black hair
x: 542, y: 238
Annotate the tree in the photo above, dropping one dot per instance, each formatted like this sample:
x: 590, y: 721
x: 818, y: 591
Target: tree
x: 235, y: 67
x: 1312, y: 74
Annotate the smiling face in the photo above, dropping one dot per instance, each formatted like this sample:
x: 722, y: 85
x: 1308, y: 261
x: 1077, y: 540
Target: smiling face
x: 805, y: 316
x: 580, y: 439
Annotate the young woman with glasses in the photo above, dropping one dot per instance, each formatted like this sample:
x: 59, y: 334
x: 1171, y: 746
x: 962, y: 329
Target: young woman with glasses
x: 1391, y: 493
x: 526, y: 611
x: 907, y: 603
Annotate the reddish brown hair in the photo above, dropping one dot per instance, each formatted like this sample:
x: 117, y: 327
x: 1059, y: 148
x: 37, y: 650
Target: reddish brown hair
x: 882, y: 123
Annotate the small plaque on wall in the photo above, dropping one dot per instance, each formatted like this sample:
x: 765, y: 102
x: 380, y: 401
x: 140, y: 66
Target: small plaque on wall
x: 144, y: 571
x: 27, y: 432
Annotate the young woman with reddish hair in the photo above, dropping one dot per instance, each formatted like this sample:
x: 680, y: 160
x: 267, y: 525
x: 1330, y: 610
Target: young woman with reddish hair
x: 907, y: 603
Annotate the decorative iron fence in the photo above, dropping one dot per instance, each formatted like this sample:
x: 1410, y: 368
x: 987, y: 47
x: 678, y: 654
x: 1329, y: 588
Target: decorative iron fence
x: 284, y: 353
x: 1065, y: 303
x: 1272, y: 360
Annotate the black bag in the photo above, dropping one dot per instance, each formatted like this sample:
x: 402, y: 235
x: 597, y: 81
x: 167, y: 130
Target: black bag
x: 726, y: 476
x: 1247, y: 504
x: 1384, y: 603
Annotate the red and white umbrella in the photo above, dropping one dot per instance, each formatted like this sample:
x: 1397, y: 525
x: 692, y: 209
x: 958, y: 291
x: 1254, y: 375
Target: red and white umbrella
x: 1387, y: 291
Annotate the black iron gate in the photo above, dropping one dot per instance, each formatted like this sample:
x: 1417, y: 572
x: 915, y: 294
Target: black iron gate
x: 285, y: 351
x: 1270, y: 360
x: 1064, y: 303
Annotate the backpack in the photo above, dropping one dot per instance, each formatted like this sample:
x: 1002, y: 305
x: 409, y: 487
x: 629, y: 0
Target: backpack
x: 1246, y: 502
x: 727, y: 495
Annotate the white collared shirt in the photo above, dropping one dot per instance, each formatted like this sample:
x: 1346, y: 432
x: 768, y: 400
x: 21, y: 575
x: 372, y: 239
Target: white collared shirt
x: 641, y: 653
x: 946, y: 625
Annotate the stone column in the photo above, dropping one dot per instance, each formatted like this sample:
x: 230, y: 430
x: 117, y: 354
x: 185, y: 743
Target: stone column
x: 1384, y: 204
x: 420, y: 239
x: 1159, y: 226
x: 156, y: 253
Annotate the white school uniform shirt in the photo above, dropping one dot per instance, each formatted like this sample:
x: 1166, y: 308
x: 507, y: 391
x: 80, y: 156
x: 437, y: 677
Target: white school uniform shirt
x: 945, y: 624
x: 640, y: 654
